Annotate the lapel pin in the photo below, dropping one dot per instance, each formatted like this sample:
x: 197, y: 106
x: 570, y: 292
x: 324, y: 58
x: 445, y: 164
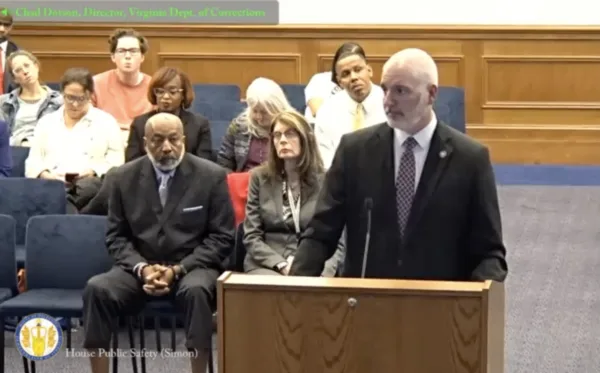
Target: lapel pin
x: 443, y: 154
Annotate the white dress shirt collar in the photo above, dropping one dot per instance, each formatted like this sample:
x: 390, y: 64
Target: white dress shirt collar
x: 423, y: 137
x: 368, y: 104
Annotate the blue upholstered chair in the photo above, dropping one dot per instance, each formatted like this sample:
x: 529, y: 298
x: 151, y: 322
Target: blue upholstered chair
x: 295, y: 95
x: 203, y: 108
x: 54, y: 86
x: 217, y: 92
x: 218, y: 129
x: 158, y: 310
x: 8, y: 269
x: 19, y: 156
x: 23, y: 198
x: 225, y: 110
x: 63, y: 253
x: 450, y: 107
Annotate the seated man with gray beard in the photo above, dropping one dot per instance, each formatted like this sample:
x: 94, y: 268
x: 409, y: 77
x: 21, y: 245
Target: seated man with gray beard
x: 170, y: 228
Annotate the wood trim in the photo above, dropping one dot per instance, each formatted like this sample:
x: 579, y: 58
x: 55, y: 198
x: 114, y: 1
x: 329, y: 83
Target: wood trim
x: 71, y: 54
x: 540, y: 105
x: 461, y: 32
x: 534, y: 115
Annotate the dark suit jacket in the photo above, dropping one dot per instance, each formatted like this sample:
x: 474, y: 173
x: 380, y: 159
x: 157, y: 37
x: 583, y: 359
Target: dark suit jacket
x: 195, y: 127
x: 454, y: 229
x: 9, y: 83
x: 195, y: 228
x: 268, y: 238
x: 6, y: 163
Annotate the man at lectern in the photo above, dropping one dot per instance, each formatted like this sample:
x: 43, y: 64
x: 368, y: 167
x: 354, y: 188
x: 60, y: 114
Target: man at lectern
x: 418, y: 198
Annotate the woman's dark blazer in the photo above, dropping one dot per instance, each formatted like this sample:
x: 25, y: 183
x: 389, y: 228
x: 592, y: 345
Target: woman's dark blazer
x: 195, y: 128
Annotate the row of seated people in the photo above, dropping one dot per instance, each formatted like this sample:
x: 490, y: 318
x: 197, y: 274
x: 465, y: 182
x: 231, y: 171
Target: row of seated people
x: 155, y: 205
x: 265, y: 98
x: 171, y: 222
x: 124, y: 93
x: 245, y: 144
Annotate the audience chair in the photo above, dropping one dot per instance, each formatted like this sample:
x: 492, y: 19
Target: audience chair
x: 203, y: 108
x: 295, y: 95
x: 19, y: 156
x: 227, y: 110
x: 449, y: 106
x: 217, y: 92
x: 218, y: 129
x: 237, y: 182
x: 54, y: 86
x: 23, y: 198
x: 219, y: 110
x: 8, y: 269
x: 158, y: 310
x: 63, y: 253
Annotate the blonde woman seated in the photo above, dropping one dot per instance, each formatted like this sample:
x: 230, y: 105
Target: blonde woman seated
x: 282, y: 197
x: 23, y: 108
x: 246, y: 141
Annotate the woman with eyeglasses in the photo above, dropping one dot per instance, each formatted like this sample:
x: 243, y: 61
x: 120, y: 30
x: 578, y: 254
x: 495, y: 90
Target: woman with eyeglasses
x: 22, y: 108
x: 76, y: 144
x: 282, y: 198
x: 171, y: 91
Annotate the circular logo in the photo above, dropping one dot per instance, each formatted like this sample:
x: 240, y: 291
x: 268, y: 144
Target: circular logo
x: 38, y: 337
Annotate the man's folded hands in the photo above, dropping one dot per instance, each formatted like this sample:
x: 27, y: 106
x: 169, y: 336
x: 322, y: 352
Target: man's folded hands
x: 157, y: 279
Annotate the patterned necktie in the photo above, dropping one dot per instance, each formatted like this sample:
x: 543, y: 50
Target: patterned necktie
x: 405, y: 183
x: 359, y: 117
x: 163, y: 189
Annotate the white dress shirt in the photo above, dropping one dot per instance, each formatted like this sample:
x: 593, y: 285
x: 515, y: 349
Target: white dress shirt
x: 336, y: 118
x: 4, y: 46
x: 319, y: 86
x: 94, y: 143
x: 423, y: 138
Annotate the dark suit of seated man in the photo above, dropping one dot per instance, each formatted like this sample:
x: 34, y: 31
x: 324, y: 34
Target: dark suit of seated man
x: 170, y: 227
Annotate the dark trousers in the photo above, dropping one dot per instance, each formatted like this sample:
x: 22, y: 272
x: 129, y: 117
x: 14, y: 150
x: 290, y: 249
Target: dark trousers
x: 98, y: 205
x: 117, y: 292
x: 81, y: 193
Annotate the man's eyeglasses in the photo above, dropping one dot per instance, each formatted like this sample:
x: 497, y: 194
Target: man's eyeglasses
x: 71, y: 99
x: 171, y: 91
x: 132, y: 51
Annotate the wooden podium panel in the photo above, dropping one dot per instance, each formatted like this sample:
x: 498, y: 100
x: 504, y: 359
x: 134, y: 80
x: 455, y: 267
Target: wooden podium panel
x: 276, y: 324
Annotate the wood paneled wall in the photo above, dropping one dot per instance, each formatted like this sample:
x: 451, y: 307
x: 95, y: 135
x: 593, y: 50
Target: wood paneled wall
x: 532, y: 93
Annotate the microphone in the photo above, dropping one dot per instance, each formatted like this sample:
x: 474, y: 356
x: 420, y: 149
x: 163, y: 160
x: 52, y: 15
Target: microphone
x: 368, y: 208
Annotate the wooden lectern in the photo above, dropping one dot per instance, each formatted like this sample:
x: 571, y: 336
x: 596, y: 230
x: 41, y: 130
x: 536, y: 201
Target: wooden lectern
x: 277, y: 324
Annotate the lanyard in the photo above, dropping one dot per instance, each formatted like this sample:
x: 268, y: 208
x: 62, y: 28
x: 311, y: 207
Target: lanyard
x: 294, y: 206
